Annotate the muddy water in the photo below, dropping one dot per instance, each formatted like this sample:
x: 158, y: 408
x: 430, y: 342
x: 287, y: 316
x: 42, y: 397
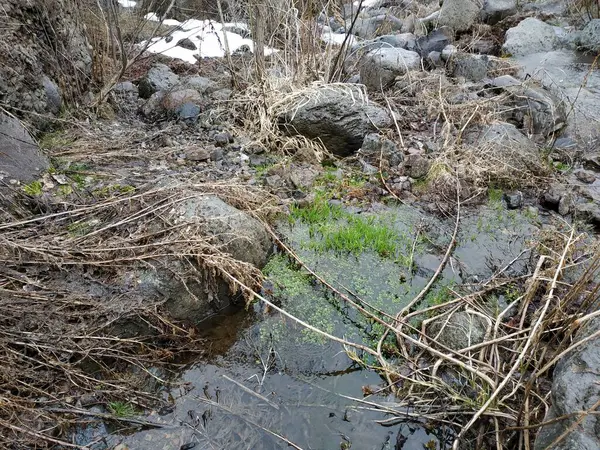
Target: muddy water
x: 267, y: 380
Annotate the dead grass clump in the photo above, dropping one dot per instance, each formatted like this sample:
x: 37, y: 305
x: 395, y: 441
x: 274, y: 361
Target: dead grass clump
x: 63, y: 303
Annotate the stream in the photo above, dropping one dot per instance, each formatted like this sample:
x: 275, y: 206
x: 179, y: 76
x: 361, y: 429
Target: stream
x: 267, y: 380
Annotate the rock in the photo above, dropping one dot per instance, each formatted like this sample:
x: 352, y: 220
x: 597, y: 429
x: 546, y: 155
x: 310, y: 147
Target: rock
x: 223, y: 138
x: 126, y: 88
x: 460, y: 331
x: 508, y: 145
x: 592, y: 160
x: 458, y: 15
x: 530, y: 36
x: 588, y: 212
x: 53, y: 96
x: 187, y: 112
x: 195, y: 297
x: 538, y: 110
x: 565, y: 204
x: 203, y: 85
x: 152, y: 109
x: 369, y: 27
x: 380, y: 67
x: 159, y: 78
x: 550, y: 199
x: 340, y: 118
x: 514, y: 200
x: 197, y: 154
x: 585, y: 176
x: 187, y: 44
x: 375, y: 146
x: 469, y: 66
x: 302, y: 176
x: 174, y: 100
x: 589, y: 37
x: 20, y: 157
x: 494, y: 11
x: 434, y: 59
x: 448, y: 52
x: 407, y: 41
x: 221, y: 95
x: 435, y: 41
x: 574, y: 389
x: 417, y: 165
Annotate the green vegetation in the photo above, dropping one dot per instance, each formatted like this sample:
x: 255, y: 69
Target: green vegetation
x: 34, y: 188
x: 122, y: 409
x: 495, y: 196
x: 55, y: 139
x: 112, y: 190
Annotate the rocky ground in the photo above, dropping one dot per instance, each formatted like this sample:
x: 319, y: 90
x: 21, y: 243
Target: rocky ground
x: 165, y: 191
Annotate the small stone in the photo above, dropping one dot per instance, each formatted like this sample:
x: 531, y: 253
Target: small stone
x: 216, y: 154
x: 197, y: 154
x: 187, y: 44
x: 585, y: 176
x: 417, y: 165
x: 565, y: 204
x: 273, y: 181
x: 222, y: 139
x: 257, y: 160
x: 514, y: 200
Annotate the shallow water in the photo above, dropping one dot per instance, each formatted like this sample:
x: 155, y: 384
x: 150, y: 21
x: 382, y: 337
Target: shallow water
x: 266, y: 379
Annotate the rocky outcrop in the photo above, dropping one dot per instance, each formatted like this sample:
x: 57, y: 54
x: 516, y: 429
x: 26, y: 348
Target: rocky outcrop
x: 530, y: 36
x: 20, y: 157
x: 574, y: 391
x: 44, y: 56
x: 339, y: 117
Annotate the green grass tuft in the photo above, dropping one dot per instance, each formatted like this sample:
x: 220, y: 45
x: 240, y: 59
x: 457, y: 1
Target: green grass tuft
x: 122, y: 409
x: 34, y: 188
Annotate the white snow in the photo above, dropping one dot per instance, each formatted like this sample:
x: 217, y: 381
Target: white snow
x: 367, y: 3
x: 207, y: 35
x: 336, y: 38
x: 127, y: 3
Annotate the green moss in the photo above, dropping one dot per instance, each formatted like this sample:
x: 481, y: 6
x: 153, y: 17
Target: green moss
x: 34, y: 188
x: 113, y: 190
x: 287, y: 280
x: 495, y: 196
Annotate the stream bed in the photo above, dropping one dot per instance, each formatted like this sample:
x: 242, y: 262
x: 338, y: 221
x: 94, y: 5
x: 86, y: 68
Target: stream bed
x: 267, y: 380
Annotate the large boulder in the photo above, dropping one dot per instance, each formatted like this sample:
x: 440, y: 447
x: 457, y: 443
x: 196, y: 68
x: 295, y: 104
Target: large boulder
x: 574, y: 390
x: 536, y: 109
x: 530, y: 36
x: 589, y: 38
x: 379, y: 68
x: 459, y: 15
x: 159, y: 78
x: 20, y: 157
x: 44, y: 57
x: 339, y: 117
x: 191, y: 292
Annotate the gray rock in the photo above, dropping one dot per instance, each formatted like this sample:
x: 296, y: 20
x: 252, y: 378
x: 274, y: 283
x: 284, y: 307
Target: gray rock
x: 152, y: 109
x: 508, y: 145
x: 126, y: 88
x: 407, y: 41
x: 538, y: 110
x: 302, y: 176
x: 197, y: 296
x: 158, y: 78
x: 435, y: 41
x: 434, y: 59
x: 530, y: 36
x: 187, y: 44
x: 565, y: 204
x: 458, y: 15
x: 589, y: 38
x: 469, y: 66
x: 369, y: 27
x: 53, y: 96
x: 223, y: 138
x: 379, y: 68
x: 417, y: 166
x: 588, y: 212
x: 551, y: 197
x: 203, y: 85
x: 173, y: 101
x: 376, y: 146
x: 575, y: 388
x: 448, y: 52
x: 221, y: 95
x: 187, y: 112
x: 585, y: 176
x: 340, y: 118
x: 197, y: 154
x: 20, y: 157
x: 514, y: 200
x: 494, y: 11
x: 460, y: 331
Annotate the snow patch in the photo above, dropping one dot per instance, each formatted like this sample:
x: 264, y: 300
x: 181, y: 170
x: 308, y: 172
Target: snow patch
x: 127, y: 3
x: 208, y: 36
